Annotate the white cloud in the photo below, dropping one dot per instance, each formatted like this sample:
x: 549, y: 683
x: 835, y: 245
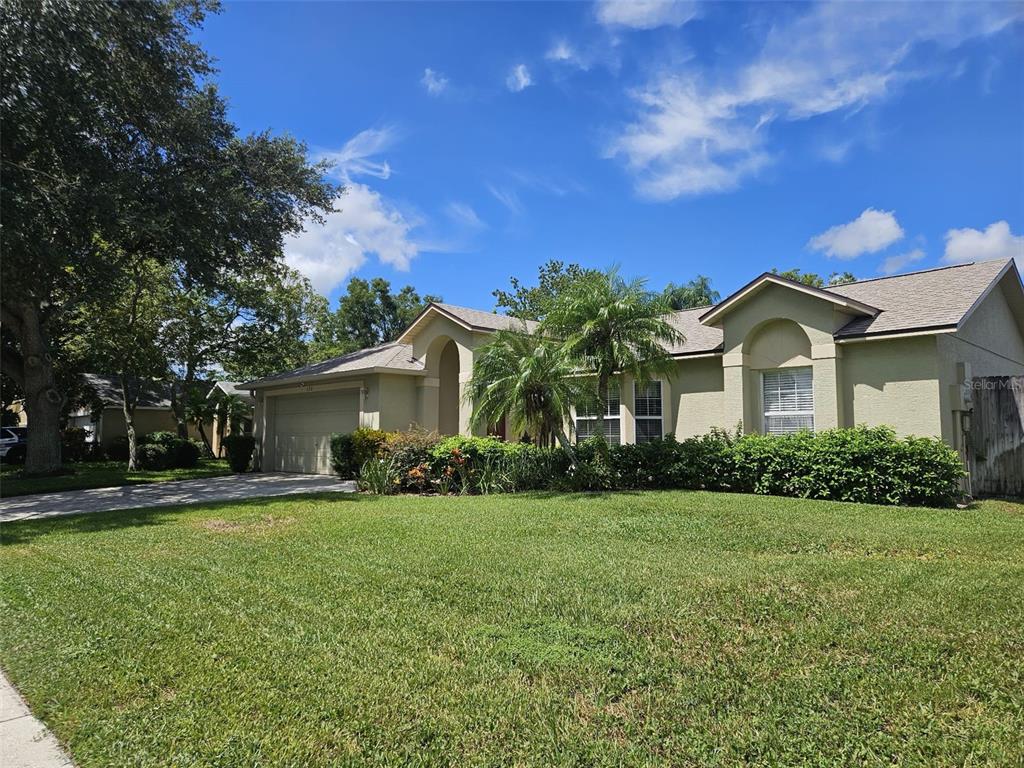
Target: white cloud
x: 707, y: 131
x: 870, y: 232
x: 434, y: 82
x: 645, y: 14
x: 995, y: 242
x: 519, y: 78
x: 463, y: 213
x: 901, y: 261
x: 364, y: 223
x: 560, y: 51
x: 507, y: 197
x: 354, y: 159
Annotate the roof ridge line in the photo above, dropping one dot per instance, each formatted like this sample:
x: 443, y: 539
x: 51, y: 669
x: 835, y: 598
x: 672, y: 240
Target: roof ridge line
x: 915, y: 272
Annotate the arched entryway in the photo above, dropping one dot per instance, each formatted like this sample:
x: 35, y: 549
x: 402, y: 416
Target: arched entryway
x: 448, y: 390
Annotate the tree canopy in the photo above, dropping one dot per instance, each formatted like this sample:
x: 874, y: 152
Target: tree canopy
x: 815, y: 280
x: 116, y: 148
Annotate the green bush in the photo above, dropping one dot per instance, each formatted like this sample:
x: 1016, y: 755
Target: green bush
x: 152, y: 456
x: 182, y: 453
x: 867, y: 465
x: 117, y: 449
x: 343, y: 457
x: 239, y: 449
x: 73, y: 445
x: 412, y: 455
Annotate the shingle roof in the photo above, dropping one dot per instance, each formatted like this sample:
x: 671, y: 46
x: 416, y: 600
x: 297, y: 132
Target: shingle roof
x: 487, y: 321
x: 392, y: 355
x: 932, y: 298
x: 152, y: 394
x: 233, y: 388
x: 697, y: 338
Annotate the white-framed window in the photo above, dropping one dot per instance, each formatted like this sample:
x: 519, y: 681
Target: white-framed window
x: 788, y: 398
x: 586, y: 419
x: 647, y: 411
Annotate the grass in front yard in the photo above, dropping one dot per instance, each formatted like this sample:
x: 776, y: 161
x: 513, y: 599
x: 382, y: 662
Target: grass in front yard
x: 624, y: 629
x: 101, y: 474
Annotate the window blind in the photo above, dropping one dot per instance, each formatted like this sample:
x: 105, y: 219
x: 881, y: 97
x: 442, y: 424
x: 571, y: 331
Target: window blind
x: 788, y: 396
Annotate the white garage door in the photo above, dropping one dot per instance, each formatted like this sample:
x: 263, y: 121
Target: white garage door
x: 303, y: 425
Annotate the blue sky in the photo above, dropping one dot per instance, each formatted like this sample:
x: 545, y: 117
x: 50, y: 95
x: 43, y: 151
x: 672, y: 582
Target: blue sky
x: 479, y: 140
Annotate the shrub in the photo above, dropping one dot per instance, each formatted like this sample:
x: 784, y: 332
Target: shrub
x: 152, y: 456
x: 379, y: 476
x: 411, y: 453
x: 239, y: 449
x: 343, y: 457
x: 182, y: 453
x: 367, y: 444
x: 117, y: 449
x: 73, y: 445
x: 866, y: 465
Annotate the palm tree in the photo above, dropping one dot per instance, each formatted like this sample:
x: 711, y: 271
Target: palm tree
x: 613, y: 326
x: 230, y: 410
x: 530, y: 379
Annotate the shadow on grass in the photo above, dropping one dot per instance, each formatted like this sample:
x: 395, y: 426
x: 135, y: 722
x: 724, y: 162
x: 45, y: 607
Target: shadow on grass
x: 26, y: 531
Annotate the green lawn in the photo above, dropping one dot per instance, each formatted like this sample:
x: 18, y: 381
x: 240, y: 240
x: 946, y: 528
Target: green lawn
x: 101, y: 474
x: 626, y: 629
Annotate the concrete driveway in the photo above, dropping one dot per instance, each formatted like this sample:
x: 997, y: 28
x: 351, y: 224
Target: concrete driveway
x: 227, y: 488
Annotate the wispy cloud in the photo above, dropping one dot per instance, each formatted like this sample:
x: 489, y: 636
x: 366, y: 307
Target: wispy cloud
x: 644, y: 14
x: 700, y: 131
x: 507, y: 197
x: 559, y: 186
x: 434, y: 82
x: 869, y: 233
x: 363, y: 223
x: 994, y: 242
x: 464, y: 215
x: 519, y: 78
x: 901, y: 261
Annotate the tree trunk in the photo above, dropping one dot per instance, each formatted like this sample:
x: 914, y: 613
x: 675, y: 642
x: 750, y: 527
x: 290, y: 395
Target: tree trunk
x: 43, y: 401
x: 128, y: 406
x: 566, y: 444
x: 178, y: 409
x: 202, y: 434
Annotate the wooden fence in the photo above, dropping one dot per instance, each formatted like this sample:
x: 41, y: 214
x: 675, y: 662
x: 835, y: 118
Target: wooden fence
x: 996, y: 455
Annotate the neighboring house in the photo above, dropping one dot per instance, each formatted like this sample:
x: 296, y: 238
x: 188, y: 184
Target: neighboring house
x: 775, y: 356
x: 106, y: 423
x: 244, y: 423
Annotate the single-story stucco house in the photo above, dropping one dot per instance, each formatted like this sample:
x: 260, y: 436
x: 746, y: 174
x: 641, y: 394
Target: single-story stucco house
x: 103, y: 419
x: 775, y: 356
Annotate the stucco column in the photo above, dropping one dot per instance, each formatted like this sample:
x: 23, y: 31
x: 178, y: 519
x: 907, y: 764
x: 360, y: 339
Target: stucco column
x: 828, y: 398
x: 735, y: 394
x: 427, y: 393
x: 627, y: 410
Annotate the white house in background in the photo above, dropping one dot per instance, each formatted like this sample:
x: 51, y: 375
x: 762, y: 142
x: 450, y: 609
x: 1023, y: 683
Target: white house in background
x: 775, y: 356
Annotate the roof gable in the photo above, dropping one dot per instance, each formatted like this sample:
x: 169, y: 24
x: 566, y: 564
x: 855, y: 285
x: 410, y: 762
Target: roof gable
x: 470, y: 319
x: 758, y: 284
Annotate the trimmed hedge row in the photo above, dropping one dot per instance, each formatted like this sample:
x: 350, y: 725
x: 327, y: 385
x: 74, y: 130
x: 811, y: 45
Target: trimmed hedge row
x: 867, y: 465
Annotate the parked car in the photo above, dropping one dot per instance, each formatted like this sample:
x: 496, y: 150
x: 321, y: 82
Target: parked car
x: 12, y: 444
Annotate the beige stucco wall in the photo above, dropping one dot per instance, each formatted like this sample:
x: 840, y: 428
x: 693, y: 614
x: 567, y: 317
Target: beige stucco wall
x: 146, y: 420
x: 892, y: 382
x: 696, y: 398
x: 397, y: 401
x: 429, y: 345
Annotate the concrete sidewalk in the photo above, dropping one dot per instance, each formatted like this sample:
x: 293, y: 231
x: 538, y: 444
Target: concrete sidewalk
x: 24, y: 741
x: 226, y: 488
